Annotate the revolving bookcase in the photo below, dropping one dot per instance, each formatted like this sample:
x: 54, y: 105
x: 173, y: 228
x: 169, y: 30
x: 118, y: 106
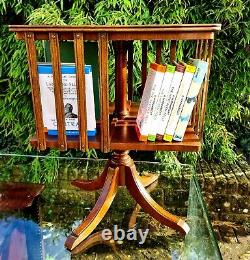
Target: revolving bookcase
x: 116, y: 127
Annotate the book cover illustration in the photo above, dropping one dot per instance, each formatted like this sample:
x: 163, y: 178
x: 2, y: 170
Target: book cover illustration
x: 201, y: 70
x: 179, y: 102
x: 148, y: 100
x: 69, y: 98
x: 161, y: 103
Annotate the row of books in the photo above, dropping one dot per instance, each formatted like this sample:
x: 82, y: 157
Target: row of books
x: 68, y: 71
x: 168, y: 99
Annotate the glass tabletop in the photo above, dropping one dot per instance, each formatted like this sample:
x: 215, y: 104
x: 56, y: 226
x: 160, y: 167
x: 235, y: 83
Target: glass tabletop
x: 40, y: 231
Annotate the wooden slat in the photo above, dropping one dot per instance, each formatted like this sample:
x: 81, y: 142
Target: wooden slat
x: 204, y: 96
x: 173, y: 50
x: 200, y: 49
x: 58, y: 90
x: 130, y: 70
x: 81, y: 90
x: 158, y: 51
x: 144, y: 65
x: 103, y: 65
x: 36, y: 97
x: 198, y: 123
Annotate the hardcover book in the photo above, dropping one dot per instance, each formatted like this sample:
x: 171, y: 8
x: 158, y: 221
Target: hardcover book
x: 161, y: 103
x: 148, y: 100
x: 68, y: 71
x: 179, y: 102
x: 169, y: 101
x: 201, y: 70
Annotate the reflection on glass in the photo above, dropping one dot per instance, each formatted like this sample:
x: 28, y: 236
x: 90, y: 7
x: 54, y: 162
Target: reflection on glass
x: 63, y: 207
x: 200, y: 242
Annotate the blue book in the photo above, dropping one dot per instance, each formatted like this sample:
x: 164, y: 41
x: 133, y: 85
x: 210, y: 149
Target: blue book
x: 69, y: 98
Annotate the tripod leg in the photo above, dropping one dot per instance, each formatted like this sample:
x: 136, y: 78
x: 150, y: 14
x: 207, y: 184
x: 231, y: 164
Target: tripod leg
x: 98, y: 212
x: 92, y: 240
x: 141, y: 196
x: 134, y: 215
x: 93, y: 184
x: 147, y: 180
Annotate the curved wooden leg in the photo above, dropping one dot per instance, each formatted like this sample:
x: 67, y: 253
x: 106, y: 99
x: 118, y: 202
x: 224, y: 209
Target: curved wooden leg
x: 93, y: 184
x: 134, y: 215
x: 137, y: 191
x: 98, y: 212
x: 94, y: 239
x: 147, y: 180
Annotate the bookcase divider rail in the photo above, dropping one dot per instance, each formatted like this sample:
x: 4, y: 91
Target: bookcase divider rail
x: 58, y: 90
x: 144, y: 65
x: 130, y: 70
x: 104, y: 97
x: 81, y: 90
x: 205, y: 88
x: 173, y: 45
x: 159, y: 45
x: 35, y: 88
x: 121, y: 108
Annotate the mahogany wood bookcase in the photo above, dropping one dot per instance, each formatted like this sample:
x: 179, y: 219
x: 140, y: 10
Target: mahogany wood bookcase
x: 116, y: 127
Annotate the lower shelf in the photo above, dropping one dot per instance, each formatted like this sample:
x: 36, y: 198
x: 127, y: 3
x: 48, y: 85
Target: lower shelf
x: 123, y: 137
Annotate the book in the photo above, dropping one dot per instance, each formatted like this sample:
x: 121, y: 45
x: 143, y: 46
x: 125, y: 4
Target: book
x: 201, y: 70
x: 148, y: 100
x: 91, y: 57
x: 161, y: 102
x: 179, y: 102
x: 68, y: 71
x: 169, y: 101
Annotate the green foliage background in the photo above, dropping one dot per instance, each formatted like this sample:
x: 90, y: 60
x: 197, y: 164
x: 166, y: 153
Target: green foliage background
x: 227, y: 120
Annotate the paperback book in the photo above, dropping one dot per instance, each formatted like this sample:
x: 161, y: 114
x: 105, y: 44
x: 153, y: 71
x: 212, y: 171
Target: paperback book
x: 148, y: 100
x: 169, y: 101
x: 179, y: 102
x: 161, y: 102
x: 201, y: 70
x: 68, y: 71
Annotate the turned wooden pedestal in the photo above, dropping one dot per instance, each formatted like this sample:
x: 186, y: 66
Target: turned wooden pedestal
x: 120, y: 171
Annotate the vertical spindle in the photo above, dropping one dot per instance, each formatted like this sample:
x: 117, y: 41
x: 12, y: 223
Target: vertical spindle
x: 144, y: 65
x: 58, y: 89
x: 81, y: 90
x: 35, y: 88
x: 103, y: 65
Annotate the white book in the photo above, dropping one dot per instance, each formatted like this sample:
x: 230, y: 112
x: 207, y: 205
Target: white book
x: 69, y: 98
x: 148, y: 100
x: 201, y: 70
x: 179, y: 102
x: 161, y: 102
x: 169, y: 101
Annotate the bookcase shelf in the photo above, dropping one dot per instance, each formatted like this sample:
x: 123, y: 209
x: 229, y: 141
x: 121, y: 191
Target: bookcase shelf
x: 123, y: 137
x: 116, y: 127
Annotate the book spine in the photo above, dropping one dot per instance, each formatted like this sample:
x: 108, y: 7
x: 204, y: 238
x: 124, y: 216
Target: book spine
x: 149, y: 96
x: 179, y: 102
x: 169, y: 101
x: 201, y: 70
x: 160, y: 102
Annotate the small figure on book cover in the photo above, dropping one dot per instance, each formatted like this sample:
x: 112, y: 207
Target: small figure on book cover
x: 68, y: 111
